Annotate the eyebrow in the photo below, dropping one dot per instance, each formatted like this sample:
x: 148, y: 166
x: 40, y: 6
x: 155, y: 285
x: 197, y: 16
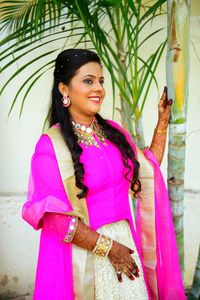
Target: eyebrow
x: 90, y: 75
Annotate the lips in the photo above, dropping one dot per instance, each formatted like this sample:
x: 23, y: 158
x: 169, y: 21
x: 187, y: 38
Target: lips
x: 95, y: 99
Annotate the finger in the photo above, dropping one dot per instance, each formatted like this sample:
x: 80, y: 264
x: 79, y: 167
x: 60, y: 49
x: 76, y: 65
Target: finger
x: 135, y: 273
x: 135, y: 270
x: 131, y: 251
x: 128, y: 273
x: 167, y: 111
x: 131, y: 269
x: 131, y: 277
x: 134, y: 265
x: 170, y: 102
x: 163, y: 100
x: 119, y: 276
x: 162, y: 105
x: 164, y: 94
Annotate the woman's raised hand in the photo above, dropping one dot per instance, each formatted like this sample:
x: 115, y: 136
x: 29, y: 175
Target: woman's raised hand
x: 122, y: 261
x: 164, y: 110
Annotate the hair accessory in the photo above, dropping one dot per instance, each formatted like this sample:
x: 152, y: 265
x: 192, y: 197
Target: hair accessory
x: 103, y: 245
x: 66, y: 101
x: 71, y: 230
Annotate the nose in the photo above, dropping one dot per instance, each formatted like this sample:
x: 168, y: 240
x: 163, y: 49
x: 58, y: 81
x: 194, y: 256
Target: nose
x: 98, y: 86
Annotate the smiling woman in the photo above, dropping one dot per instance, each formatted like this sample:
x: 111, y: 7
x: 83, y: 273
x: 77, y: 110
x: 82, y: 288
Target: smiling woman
x: 85, y: 92
x: 81, y: 173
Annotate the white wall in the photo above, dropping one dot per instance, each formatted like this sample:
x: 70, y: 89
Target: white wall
x: 18, y: 242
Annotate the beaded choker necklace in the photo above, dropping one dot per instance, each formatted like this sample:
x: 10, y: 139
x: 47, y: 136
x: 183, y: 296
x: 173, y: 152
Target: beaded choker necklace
x: 86, y: 133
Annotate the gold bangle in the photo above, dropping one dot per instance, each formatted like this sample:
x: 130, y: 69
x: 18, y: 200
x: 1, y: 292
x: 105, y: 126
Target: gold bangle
x: 103, y: 245
x: 159, y: 131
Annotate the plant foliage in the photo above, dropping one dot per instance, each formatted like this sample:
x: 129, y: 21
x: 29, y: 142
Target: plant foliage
x: 114, y: 28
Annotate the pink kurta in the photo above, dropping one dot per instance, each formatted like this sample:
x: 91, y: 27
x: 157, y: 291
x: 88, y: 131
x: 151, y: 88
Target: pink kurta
x: 107, y: 202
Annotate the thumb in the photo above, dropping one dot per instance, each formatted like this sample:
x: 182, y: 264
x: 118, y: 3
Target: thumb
x: 170, y: 102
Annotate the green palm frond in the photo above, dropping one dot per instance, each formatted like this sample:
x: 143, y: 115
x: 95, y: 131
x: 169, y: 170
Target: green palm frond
x: 114, y: 28
x: 18, y: 14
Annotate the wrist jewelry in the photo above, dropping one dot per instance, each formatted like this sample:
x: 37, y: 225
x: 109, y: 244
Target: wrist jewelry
x: 103, y: 245
x: 71, y: 230
x: 159, y: 131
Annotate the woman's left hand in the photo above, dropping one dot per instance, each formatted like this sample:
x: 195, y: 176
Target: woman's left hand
x: 164, y: 110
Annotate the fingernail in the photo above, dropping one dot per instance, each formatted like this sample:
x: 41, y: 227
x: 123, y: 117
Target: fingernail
x: 137, y: 269
x: 137, y: 275
x: 120, y: 279
x: 170, y: 101
x: 165, y: 89
x: 132, y: 278
x: 132, y: 251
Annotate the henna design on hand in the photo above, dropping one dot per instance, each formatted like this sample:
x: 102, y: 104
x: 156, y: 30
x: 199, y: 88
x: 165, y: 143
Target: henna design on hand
x: 121, y: 259
x: 85, y: 237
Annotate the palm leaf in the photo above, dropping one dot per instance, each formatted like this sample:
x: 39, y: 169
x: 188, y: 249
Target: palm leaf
x: 89, y: 24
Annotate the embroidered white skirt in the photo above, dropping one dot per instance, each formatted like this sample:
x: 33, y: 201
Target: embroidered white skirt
x: 106, y: 284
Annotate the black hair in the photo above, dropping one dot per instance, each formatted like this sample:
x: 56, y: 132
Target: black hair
x: 66, y: 65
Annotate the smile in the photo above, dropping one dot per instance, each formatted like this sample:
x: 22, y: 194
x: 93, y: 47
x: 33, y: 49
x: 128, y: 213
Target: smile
x: 95, y: 99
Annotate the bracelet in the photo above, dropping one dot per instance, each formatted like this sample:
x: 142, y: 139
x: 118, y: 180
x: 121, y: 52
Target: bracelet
x: 103, y: 245
x: 71, y: 230
x: 159, y: 131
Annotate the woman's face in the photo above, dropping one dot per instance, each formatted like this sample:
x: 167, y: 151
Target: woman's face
x: 86, y: 91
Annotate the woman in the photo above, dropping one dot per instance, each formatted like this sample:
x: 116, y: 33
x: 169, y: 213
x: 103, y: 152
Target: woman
x: 81, y: 173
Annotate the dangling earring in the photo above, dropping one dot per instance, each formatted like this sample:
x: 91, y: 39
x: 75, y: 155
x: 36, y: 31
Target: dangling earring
x: 66, y: 101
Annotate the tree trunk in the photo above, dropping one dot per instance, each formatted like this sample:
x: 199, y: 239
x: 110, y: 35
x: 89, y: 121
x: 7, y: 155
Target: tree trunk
x: 140, y: 141
x: 177, y: 82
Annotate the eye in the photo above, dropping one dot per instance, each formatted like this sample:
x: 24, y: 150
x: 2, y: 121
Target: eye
x: 101, y: 82
x: 87, y: 81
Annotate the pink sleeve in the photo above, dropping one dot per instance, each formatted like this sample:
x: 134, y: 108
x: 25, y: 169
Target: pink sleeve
x: 46, y: 192
x: 57, y: 224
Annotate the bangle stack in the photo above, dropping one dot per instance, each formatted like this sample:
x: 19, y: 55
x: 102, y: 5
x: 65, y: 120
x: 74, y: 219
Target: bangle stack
x: 71, y: 230
x: 159, y: 131
x: 103, y: 245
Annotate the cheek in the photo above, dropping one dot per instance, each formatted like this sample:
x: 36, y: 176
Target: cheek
x: 79, y: 89
x: 104, y: 93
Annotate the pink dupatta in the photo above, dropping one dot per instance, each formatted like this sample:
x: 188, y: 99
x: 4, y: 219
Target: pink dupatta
x: 47, y: 194
x: 164, y: 263
x: 170, y: 285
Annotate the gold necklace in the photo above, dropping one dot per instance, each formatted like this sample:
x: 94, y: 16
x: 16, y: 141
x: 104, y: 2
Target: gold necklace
x: 86, y: 133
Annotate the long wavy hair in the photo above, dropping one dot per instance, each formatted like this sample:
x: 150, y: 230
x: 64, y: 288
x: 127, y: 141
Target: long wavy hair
x: 66, y: 65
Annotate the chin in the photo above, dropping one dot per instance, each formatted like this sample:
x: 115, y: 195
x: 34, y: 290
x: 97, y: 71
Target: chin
x: 95, y: 110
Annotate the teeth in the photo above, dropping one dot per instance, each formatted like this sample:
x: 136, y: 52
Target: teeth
x: 95, y: 99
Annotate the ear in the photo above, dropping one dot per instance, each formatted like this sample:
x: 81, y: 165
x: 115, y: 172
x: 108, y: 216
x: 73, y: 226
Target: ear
x: 63, y: 88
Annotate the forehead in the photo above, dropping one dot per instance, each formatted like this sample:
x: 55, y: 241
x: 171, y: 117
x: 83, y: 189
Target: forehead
x: 91, y: 68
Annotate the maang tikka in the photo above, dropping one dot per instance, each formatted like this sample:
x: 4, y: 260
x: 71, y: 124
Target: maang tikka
x: 66, y: 101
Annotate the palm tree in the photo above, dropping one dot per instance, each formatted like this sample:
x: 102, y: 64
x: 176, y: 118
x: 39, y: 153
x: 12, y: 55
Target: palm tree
x: 177, y: 82
x: 114, y: 28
